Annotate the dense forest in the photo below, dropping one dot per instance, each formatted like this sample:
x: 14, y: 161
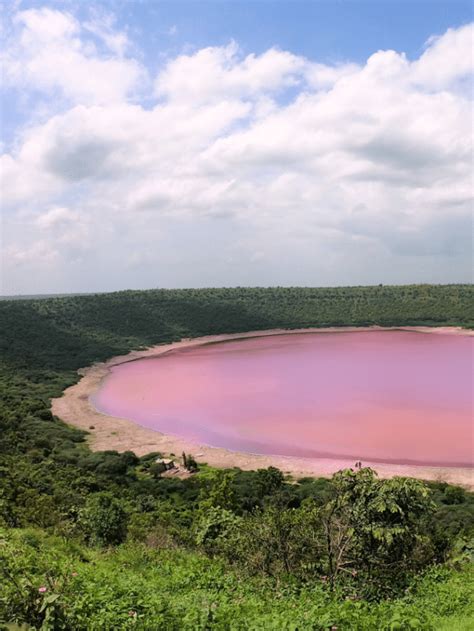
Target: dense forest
x: 106, y: 540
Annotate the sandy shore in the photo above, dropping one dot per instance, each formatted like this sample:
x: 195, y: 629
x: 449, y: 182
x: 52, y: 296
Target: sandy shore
x: 107, y: 432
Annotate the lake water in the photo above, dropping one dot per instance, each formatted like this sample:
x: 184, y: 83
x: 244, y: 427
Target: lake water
x: 390, y: 396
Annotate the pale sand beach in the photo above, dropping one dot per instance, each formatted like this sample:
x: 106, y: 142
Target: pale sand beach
x: 107, y: 432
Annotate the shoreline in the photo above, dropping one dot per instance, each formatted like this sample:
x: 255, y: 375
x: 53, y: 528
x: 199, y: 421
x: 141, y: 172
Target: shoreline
x: 107, y: 432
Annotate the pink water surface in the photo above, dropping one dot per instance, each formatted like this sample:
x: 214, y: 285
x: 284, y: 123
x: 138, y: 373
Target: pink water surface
x: 392, y: 396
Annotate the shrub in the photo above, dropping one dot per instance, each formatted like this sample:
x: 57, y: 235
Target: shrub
x: 104, y: 520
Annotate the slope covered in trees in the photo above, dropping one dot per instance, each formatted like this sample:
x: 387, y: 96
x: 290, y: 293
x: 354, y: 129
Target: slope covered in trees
x: 94, y: 326
x: 103, y: 540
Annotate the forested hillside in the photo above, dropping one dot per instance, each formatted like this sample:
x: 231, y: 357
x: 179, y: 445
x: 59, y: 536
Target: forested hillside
x: 105, y: 541
x: 73, y: 331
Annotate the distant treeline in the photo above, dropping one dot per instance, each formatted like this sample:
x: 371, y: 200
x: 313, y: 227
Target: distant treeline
x: 235, y: 546
x: 69, y: 332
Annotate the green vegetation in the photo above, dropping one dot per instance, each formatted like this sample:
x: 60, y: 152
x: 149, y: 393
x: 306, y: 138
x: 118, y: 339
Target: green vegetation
x: 105, y: 541
x: 140, y: 587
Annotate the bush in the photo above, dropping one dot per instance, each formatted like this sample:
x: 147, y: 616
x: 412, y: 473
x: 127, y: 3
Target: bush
x: 142, y: 588
x: 104, y: 520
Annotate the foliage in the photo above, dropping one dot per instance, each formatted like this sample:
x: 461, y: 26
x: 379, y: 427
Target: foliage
x: 103, y: 520
x: 190, y: 463
x: 115, y: 544
x: 215, y: 527
x: 376, y: 530
x: 370, y: 538
x: 138, y: 587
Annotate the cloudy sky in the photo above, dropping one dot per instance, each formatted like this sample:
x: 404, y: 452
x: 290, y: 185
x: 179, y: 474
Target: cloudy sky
x: 185, y: 144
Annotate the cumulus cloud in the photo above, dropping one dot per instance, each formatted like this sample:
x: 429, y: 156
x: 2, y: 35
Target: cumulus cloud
x: 448, y: 58
x: 49, y: 51
x: 220, y: 73
x: 242, y: 168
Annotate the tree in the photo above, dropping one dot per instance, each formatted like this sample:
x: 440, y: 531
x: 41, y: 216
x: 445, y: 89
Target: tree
x: 190, y: 463
x: 269, y: 481
x: 375, y: 530
x: 219, y: 491
x: 104, y: 520
x: 215, y: 528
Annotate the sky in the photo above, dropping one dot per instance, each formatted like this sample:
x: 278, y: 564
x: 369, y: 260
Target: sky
x: 196, y: 144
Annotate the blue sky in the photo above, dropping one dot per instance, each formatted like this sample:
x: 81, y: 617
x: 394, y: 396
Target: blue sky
x: 221, y: 143
x: 329, y: 30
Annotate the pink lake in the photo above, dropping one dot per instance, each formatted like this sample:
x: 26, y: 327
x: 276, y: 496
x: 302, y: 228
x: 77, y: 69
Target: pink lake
x: 388, y: 396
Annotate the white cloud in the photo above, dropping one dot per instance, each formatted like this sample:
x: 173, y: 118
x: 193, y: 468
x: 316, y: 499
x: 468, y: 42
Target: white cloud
x: 49, y: 51
x: 323, y: 76
x: 40, y: 253
x: 447, y: 59
x: 220, y: 73
x: 23, y: 181
x: 254, y: 169
x: 56, y: 216
x: 102, y: 25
